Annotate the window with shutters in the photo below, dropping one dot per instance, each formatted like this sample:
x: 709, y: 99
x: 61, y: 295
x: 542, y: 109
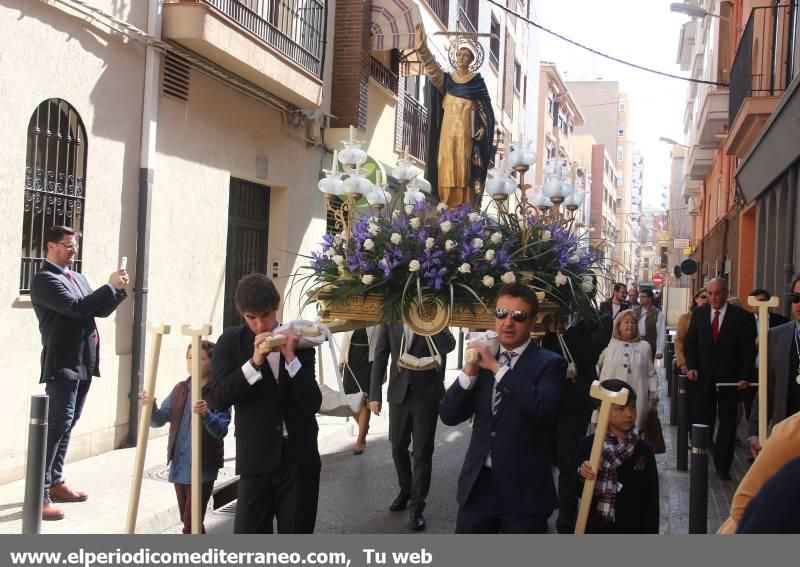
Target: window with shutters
x: 494, y: 45
x: 55, y: 176
x: 508, y: 77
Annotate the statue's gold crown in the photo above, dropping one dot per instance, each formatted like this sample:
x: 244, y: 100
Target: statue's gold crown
x: 471, y: 43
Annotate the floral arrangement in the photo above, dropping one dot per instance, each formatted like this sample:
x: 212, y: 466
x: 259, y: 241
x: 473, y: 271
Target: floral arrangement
x: 459, y: 256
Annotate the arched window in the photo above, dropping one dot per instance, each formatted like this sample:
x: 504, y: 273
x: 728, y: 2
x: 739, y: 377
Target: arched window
x: 55, y: 175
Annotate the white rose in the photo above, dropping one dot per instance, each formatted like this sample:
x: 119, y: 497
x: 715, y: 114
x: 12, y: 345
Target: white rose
x: 338, y: 259
x: 587, y: 287
x: 449, y: 245
x: 441, y: 207
x: 474, y: 217
x: 409, y: 209
x: 488, y: 281
x: 464, y: 268
x: 429, y: 243
x: 369, y: 244
x: 337, y: 238
x: 329, y: 253
x: 396, y: 238
x: 368, y: 279
x: 574, y: 259
x: 508, y: 277
x: 477, y: 243
x: 413, y: 266
x: 414, y: 223
x: 561, y: 279
x: 446, y: 226
x: 489, y: 255
x: 497, y: 237
x: 373, y: 228
x: 546, y: 235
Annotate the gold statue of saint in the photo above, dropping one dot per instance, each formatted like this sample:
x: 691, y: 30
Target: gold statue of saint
x: 461, y: 118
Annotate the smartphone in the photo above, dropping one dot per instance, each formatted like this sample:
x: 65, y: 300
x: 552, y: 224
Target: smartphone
x: 123, y: 263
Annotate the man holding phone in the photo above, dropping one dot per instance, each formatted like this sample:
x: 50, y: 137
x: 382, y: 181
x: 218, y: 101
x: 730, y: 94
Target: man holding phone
x: 66, y: 306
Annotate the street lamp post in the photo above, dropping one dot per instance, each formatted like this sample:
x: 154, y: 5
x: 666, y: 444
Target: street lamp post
x: 693, y: 11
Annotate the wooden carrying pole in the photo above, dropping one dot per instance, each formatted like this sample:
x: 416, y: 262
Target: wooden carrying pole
x: 197, y: 426
x: 763, y: 336
x: 156, y: 332
x: 606, y: 399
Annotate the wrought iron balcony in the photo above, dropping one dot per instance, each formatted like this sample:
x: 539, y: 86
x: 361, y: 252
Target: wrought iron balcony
x: 765, y: 60
x: 413, y: 128
x: 442, y: 10
x: 382, y: 75
x: 468, y: 15
x: 296, y: 28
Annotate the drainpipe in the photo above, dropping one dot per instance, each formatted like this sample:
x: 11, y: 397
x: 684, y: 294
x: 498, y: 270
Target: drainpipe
x: 146, y: 174
x: 791, y: 226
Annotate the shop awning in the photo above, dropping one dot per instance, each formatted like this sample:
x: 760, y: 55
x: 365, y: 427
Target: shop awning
x: 393, y: 24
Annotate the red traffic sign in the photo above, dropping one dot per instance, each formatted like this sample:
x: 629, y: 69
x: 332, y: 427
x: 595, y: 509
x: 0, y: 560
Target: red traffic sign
x: 658, y: 279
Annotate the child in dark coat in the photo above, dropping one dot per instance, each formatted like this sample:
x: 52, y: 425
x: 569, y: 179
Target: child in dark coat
x: 625, y: 499
x: 175, y: 410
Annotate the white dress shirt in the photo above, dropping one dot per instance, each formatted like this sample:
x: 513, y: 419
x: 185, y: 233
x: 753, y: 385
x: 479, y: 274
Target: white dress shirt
x: 722, y: 311
x: 273, y: 359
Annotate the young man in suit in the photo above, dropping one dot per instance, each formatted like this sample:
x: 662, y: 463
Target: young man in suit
x: 276, y: 398
x: 413, y: 397
x: 783, y: 374
x: 506, y: 484
x: 66, y: 307
x: 719, y: 347
x: 616, y: 303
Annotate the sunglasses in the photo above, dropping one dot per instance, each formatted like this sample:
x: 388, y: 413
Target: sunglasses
x: 794, y: 297
x: 518, y: 316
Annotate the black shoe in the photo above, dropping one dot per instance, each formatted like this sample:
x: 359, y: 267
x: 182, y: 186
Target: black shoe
x: 724, y: 475
x: 417, y: 522
x: 400, y: 502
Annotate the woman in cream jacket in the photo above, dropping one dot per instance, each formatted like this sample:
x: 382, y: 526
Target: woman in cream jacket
x: 628, y: 358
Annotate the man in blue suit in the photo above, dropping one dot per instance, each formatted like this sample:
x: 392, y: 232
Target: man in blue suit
x: 506, y: 484
x: 66, y: 307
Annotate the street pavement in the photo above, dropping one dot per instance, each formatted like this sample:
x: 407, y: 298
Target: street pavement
x: 355, y: 489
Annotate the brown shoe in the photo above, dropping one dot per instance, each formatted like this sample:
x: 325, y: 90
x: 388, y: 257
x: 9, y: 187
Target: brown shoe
x: 50, y: 512
x: 62, y: 493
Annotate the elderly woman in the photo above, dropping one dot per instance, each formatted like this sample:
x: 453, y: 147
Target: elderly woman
x: 700, y: 299
x: 628, y: 358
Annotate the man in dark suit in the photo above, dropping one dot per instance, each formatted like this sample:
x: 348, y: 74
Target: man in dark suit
x: 276, y: 398
x: 720, y: 347
x: 413, y: 397
x: 783, y: 371
x: 66, y: 307
x: 775, y: 319
x: 506, y: 483
x: 616, y: 303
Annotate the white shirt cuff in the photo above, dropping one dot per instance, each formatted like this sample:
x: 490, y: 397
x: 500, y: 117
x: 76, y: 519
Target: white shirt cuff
x: 250, y: 374
x: 500, y: 373
x: 466, y: 382
x: 293, y: 367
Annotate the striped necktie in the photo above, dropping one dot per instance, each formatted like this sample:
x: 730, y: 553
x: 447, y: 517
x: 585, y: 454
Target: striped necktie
x: 507, y: 357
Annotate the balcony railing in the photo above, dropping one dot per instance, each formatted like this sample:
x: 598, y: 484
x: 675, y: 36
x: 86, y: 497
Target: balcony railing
x: 468, y: 15
x: 442, y: 10
x: 415, y: 127
x: 384, y: 76
x: 296, y: 28
x: 765, y: 60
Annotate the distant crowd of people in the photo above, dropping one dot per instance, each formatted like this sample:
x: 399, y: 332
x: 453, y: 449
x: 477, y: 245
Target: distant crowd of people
x: 528, y: 405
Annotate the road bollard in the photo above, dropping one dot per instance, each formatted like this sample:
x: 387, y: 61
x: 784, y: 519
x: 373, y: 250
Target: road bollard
x: 682, y: 445
x: 460, y: 348
x: 673, y: 401
x: 698, y: 481
x: 34, y: 468
x: 668, y: 368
